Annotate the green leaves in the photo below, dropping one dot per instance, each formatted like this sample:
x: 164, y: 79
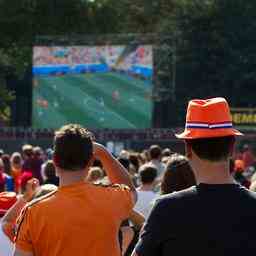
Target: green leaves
x: 6, y: 97
x: 215, y: 40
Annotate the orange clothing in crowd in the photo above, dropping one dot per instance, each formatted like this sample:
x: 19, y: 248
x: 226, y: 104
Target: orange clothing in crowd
x: 80, y: 219
x: 16, y: 173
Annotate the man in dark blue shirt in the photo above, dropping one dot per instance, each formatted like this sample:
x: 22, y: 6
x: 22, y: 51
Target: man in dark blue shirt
x: 217, y: 216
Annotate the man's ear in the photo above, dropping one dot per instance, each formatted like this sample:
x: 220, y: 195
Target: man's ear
x: 55, y: 159
x: 232, y: 147
x: 188, y: 149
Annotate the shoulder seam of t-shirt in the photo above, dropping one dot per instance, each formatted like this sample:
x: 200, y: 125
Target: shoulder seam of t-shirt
x: 41, y: 198
x: 28, y: 205
x: 19, y: 222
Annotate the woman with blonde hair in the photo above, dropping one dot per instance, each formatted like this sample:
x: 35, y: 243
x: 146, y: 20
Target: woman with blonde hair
x: 16, y: 168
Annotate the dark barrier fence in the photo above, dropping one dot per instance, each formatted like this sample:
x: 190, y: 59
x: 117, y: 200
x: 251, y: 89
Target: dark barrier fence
x: 101, y: 134
x: 12, y: 139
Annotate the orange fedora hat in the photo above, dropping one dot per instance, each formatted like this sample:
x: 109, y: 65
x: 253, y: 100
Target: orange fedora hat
x: 208, y: 119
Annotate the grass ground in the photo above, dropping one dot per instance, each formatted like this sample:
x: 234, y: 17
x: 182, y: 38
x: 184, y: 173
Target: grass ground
x: 102, y: 100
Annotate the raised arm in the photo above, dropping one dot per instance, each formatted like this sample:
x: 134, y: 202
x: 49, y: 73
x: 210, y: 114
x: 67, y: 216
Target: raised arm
x: 115, y: 171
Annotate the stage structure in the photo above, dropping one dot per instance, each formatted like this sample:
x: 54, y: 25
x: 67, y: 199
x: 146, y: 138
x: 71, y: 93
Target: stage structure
x: 141, y: 78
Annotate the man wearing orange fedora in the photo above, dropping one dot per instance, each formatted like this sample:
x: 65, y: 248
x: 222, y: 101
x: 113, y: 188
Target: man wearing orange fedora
x: 215, y: 217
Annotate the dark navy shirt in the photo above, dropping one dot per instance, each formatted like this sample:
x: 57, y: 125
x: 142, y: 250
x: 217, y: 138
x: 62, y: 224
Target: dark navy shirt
x: 202, y: 220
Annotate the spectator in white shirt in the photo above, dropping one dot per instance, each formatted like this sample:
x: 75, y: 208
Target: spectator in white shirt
x: 155, y: 153
x: 147, y: 176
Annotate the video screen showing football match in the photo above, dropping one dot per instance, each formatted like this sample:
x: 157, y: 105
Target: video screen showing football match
x: 96, y: 86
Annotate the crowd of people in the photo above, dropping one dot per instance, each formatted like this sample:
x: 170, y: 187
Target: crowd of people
x: 91, y: 55
x: 78, y: 198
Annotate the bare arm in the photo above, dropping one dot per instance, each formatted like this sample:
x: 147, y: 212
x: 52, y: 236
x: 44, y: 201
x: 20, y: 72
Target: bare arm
x: 128, y: 235
x: 137, y: 219
x: 115, y: 171
x: 18, y: 252
x: 9, y: 220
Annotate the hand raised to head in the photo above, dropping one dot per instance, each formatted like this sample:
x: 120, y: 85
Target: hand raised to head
x: 31, y: 189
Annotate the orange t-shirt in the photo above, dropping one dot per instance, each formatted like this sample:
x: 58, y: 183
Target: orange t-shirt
x: 80, y: 219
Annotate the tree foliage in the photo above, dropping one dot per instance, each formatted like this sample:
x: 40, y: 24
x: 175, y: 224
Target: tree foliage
x: 215, y: 50
x: 214, y: 39
x: 7, y: 97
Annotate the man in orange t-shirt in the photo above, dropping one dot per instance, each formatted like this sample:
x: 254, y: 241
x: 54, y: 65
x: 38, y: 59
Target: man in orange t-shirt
x: 79, y: 218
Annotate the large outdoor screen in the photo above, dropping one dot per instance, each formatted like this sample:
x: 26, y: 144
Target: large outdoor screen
x: 96, y: 86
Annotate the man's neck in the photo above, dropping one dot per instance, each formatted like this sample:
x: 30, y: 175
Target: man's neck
x: 213, y: 173
x: 71, y: 177
x: 146, y: 187
x: 155, y: 160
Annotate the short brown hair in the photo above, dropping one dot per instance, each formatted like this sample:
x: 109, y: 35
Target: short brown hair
x: 73, y: 148
x: 178, y: 175
x: 155, y: 152
x: 212, y: 149
x: 147, y: 174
